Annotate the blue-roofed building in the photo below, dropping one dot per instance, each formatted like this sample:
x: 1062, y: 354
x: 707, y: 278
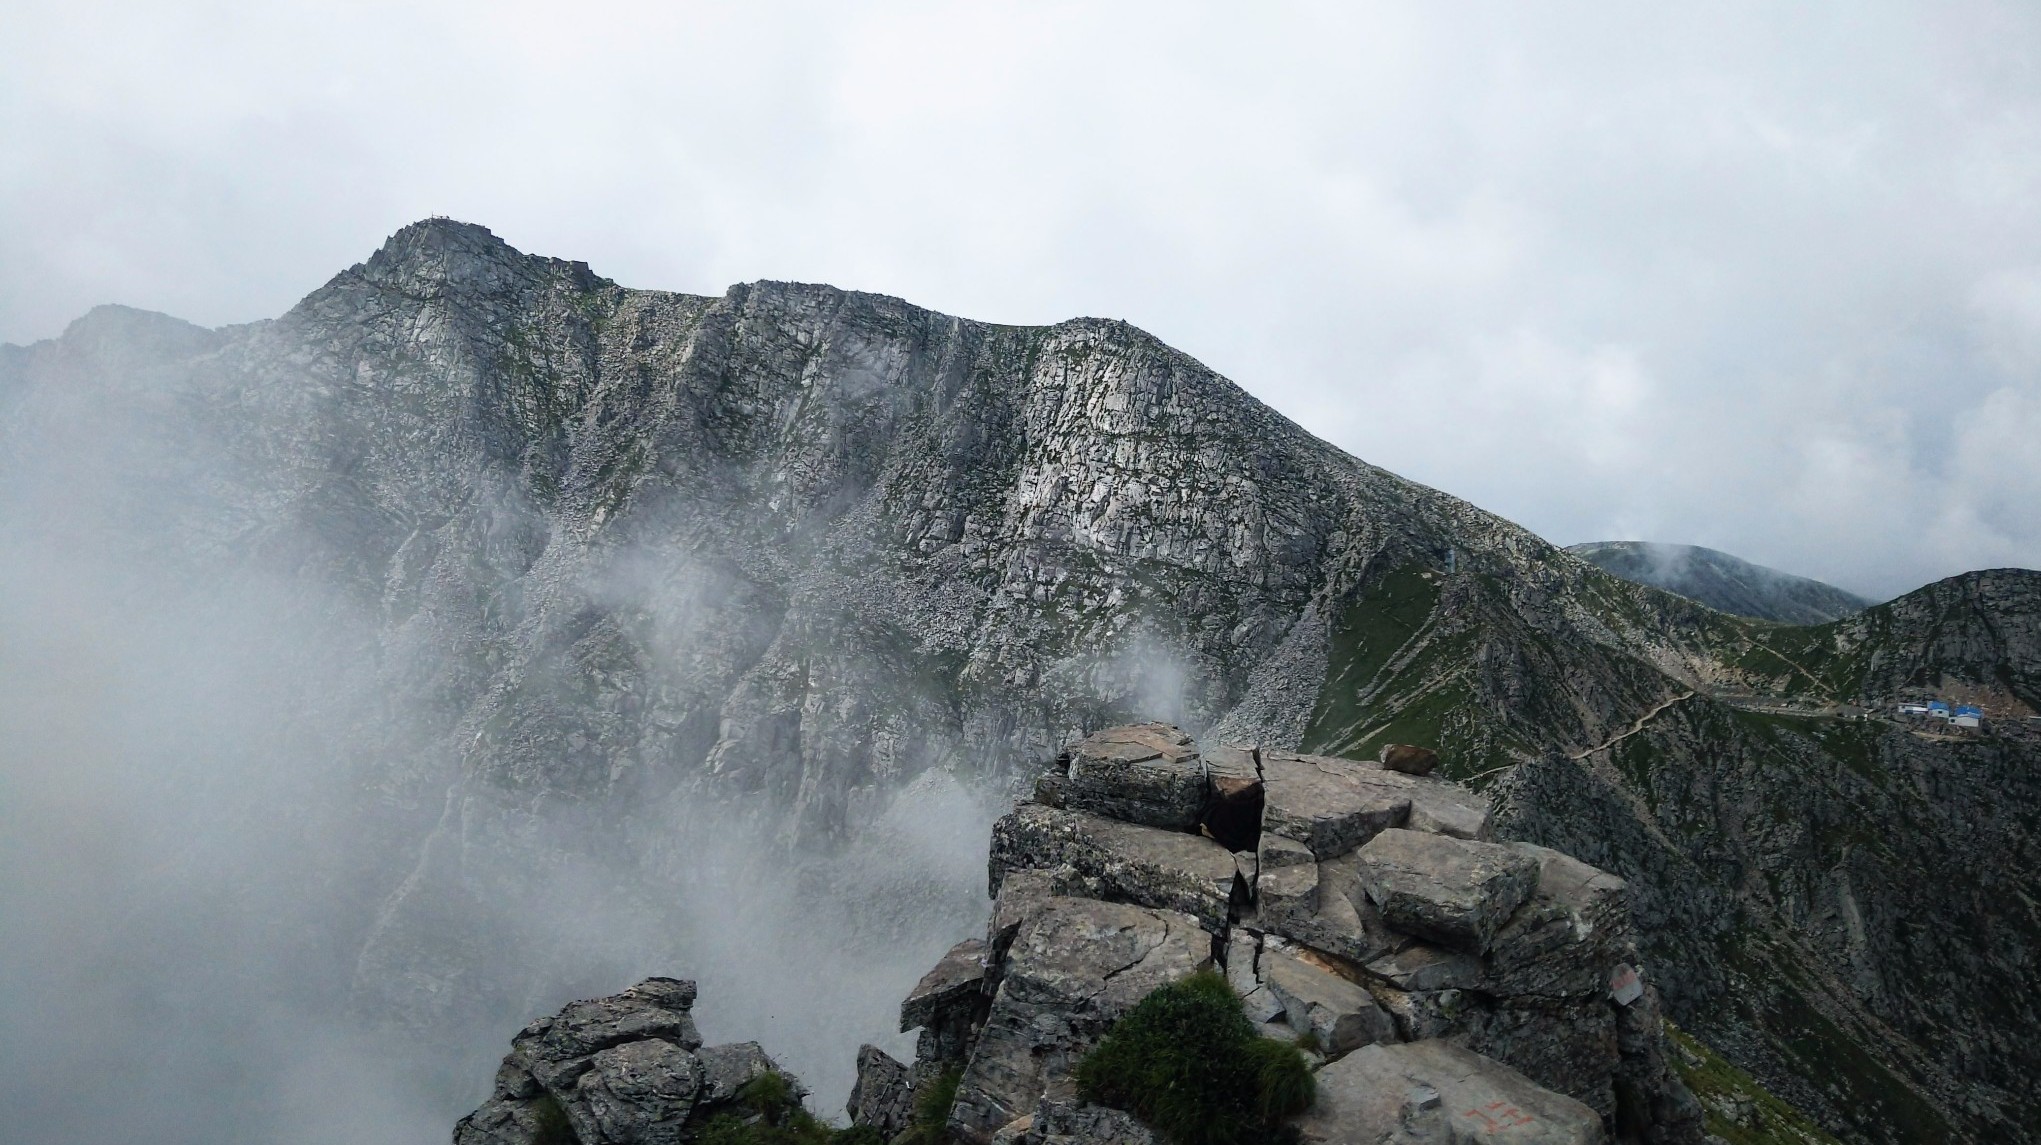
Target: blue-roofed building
x: 1939, y: 709
x: 1969, y: 716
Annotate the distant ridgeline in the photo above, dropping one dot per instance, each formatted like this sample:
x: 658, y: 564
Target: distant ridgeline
x: 1723, y: 582
x: 625, y: 557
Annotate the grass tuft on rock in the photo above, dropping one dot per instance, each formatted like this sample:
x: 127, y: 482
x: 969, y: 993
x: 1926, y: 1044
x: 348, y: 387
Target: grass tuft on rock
x: 932, y: 1110
x: 1187, y: 1062
x: 777, y: 1117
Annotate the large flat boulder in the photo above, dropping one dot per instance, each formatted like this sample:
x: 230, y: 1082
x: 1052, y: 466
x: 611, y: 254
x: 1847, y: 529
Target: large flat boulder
x: 1454, y: 892
x: 1439, y: 806
x: 1070, y: 972
x: 1167, y: 870
x: 1140, y: 773
x: 1339, y: 1013
x: 556, y: 1050
x: 1434, y: 1093
x: 1330, y: 805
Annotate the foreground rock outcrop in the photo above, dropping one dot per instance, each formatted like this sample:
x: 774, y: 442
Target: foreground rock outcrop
x: 629, y: 1069
x: 1454, y: 986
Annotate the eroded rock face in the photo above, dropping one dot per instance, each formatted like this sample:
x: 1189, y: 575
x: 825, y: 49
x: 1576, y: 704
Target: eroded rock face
x: 628, y: 1069
x: 1172, y: 870
x: 1143, y: 773
x: 1370, y: 920
x: 1074, y: 967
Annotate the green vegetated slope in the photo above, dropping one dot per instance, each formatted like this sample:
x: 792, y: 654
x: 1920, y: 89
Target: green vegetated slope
x: 1843, y: 905
x: 1739, y: 1110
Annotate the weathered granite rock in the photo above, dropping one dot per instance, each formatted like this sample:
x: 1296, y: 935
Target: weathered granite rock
x: 1326, y: 804
x: 1455, y: 892
x: 957, y: 978
x: 556, y: 1050
x: 1069, y: 973
x: 1417, y: 935
x: 1436, y: 1093
x: 1063, y: 1119
x: 1149, y: 774
x: 1022, y: 894
x: 1564, y: 1045
x: 1408, y: 759
x: 1565, y: 940
x: 637, y: 1092
x: 1168, y: 870
x: 883, y: 1097
x: 1343, y: 923
x: 1286, y: 896
x: 726, y: 1069
x: 1422, y: 968
x: 1340, y: 1013
x: 628, y: 1069
x: 1652, y: 1106
x: 1438, y: 806
x: 1242, y: 948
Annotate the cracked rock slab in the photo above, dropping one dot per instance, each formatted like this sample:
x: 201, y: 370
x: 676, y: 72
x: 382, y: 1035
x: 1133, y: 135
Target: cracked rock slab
x: 1330, y: 805
x: 957, y: 977
x: 1342, y: 922
x: 1339, y: 1012
x: 1436, y: 1093
x: 1071, y: 971
x: 1149, y: 774
x: 1454, y: 892
x: 1166, y: 870
x: 1572, y: 933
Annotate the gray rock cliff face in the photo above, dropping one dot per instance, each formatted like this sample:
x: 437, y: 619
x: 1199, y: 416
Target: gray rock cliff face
x: 605, y: 562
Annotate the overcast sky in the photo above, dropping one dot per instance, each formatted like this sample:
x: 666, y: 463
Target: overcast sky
x: 1765, y: 278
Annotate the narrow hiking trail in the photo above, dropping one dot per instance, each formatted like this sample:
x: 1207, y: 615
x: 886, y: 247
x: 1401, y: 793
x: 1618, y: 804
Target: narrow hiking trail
x: 1634, y: 728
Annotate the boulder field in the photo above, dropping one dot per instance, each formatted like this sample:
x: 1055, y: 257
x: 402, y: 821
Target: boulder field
x: 1445, y: 987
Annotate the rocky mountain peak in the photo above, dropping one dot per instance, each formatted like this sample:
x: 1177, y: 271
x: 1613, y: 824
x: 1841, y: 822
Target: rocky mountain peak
x: 439, y: 257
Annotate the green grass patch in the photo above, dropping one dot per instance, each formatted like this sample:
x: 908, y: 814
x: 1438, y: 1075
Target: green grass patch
x: 1187, y: 1062
x: 1738, y: 1109
x: 773, y: 1115
x: 1364, y: 639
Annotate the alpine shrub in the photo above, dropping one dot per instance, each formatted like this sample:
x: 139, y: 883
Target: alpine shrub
x: 1186, y: 1061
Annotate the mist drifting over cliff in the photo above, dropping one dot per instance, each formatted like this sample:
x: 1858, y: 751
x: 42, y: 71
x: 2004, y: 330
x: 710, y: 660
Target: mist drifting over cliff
x: 224, y: 765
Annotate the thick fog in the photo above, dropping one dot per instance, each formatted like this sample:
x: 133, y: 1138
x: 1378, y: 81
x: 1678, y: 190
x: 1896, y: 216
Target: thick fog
x: 1761, y: 278
x: 210, y: 790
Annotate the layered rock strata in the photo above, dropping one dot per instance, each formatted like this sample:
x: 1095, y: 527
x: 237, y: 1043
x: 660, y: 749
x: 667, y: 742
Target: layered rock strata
x: 629, y: 1069
x: 1448, y: 985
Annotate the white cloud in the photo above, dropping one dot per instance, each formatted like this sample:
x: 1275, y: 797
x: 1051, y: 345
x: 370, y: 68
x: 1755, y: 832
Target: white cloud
x: 1688, y: 271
